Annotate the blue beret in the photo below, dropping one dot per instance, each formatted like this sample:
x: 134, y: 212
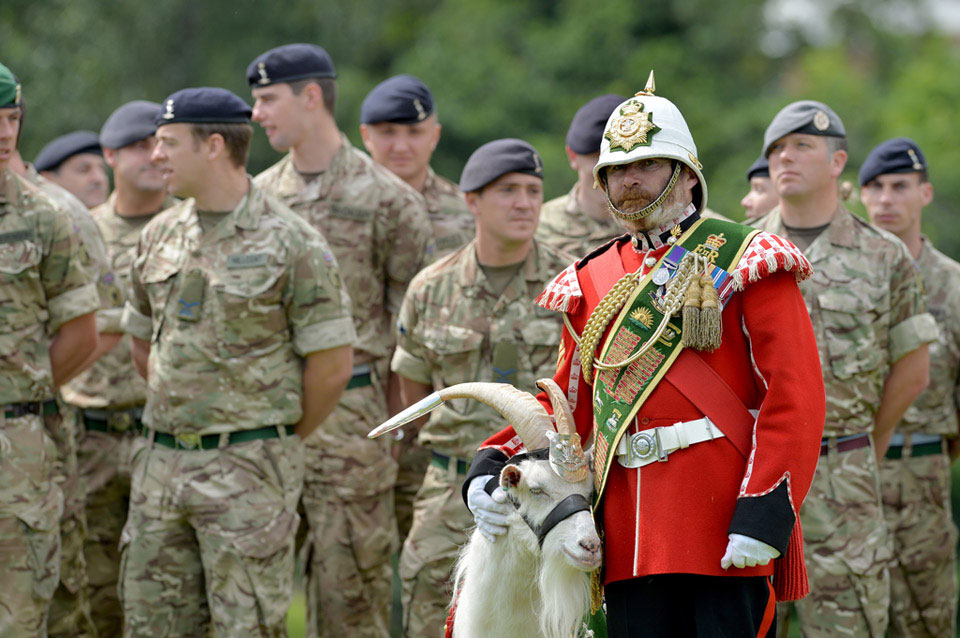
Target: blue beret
x: 805, y: 116
x: 899, y: 155
x: 403, y: 99
x: 132, y: 122
x: 497, y: 158
x: 760, y: 168
x: 66, y: 146
x: 204, y: 105
x: 586, y: 129
x: 289, y: 63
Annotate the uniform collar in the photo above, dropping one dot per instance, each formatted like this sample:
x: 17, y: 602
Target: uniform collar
x: 292, y: 185
x: 246, y: 216
x: 660, y: 236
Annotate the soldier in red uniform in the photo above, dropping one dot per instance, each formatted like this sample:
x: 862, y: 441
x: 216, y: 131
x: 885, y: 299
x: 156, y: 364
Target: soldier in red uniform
x: 690, y: 363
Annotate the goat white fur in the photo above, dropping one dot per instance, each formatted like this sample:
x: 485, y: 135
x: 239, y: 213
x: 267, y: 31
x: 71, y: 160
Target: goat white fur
x: 513, y: 587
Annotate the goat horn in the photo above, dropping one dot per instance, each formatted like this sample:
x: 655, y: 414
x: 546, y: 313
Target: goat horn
x: 530, y: 421
x: 561, y: 407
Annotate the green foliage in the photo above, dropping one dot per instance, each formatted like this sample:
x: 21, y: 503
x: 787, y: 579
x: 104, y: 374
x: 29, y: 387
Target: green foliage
x: 517, y: 68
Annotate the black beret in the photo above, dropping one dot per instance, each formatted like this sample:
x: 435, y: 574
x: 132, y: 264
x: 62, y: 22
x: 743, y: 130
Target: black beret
x: 586, y: 128
x: 805, y: 116
x: 66, y: 146
x: 760, y: 168
x: 132, y: 122
x: 204, y: 105
x: 899, y: 155
x: 403, y: 99
x: 289, y: 63
x: 497, y: 158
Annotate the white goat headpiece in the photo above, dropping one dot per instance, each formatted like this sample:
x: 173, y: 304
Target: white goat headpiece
x: 529, y: 419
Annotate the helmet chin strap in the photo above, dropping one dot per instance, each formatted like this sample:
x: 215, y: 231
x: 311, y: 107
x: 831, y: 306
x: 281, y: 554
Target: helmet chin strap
x: 649, y: 208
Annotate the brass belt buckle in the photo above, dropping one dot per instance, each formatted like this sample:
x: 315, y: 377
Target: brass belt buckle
x: 120, y: 421
x: 187, y: 441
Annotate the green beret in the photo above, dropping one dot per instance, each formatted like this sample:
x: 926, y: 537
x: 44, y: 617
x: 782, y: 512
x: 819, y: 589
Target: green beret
x: 9, y: 89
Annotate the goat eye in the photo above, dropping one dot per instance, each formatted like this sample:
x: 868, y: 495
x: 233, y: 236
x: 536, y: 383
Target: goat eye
x: 537, y: 491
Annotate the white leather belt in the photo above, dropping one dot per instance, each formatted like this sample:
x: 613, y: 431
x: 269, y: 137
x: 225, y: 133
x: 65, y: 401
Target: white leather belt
x: 655, y: 444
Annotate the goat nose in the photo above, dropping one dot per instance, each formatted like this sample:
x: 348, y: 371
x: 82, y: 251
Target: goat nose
x: 592, y: 545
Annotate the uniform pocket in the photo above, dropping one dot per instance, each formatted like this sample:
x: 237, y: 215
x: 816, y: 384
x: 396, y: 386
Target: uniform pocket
x: 457, y: 351
x: 850, y: 340
x: 42, y: 528
x: 19, y: 279
x: 267, y: 558
x: 158, y: 279
x: 251, y: 320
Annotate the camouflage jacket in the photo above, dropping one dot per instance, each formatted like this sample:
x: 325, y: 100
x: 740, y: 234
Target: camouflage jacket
x: 867, y: 310
x: 454, y: 328
x: 376, y: 225
x: 935, y: 411
x: 230, y: 314
x: 568, y: 229
x: 112, y: 382
x: 93, y: 252
x: 43, y: 284
x: 453, y: 223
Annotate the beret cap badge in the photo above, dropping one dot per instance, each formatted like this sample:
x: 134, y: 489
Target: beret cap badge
x: 821, y: 120
x: 168, y: 115
x: 630, y: 128
x: 262, y: 70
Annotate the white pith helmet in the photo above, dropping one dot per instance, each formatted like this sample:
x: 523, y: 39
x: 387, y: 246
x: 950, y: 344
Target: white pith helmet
x: 646, y: 125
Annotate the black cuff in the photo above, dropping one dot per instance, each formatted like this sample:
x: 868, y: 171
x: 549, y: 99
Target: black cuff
x: 487, y: 461
x: 768, y: 518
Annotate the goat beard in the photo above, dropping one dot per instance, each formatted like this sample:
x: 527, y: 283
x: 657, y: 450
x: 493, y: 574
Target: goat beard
x: 565, y: 592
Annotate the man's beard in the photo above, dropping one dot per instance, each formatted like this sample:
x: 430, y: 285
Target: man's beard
x: 672, y: 208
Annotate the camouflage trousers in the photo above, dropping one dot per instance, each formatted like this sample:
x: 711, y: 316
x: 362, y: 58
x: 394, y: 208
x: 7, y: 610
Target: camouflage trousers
x: 413, y: 463
x: 70, y: 615
x: 208, y: 547
x: 348, y: 501
x: 104, y: 461
x: 923, y: 577
x: 847, y: 550
x: 31, y: 504
x: 440, y: 528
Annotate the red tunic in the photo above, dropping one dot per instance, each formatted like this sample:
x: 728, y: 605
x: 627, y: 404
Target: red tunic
x: 674, y: 517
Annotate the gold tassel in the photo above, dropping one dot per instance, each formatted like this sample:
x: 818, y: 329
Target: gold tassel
x: 691, y: 314
x: 596, y: 591
x: 710, y: 327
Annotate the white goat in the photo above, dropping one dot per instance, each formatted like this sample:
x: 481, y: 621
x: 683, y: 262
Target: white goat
x: 523, y: 585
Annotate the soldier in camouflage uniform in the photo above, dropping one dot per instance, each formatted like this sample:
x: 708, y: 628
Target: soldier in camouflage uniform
x: 109, y: 396
x: 74, y: 162
x: 580, y: 221
x: 70, y: 611
x: 378, y: 228
x: 400, y: 130
x: 238, y: 315
x: 47, y: 331
x: 471, y: 317
x: 871, y: 327
x: 915, y: 475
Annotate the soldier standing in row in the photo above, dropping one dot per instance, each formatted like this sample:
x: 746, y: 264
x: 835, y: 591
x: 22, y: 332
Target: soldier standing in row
x: 110, y: 395
x: 762, y: 196
x: 872, y: 331
x: 579, y: 221
x: 47, y: 332
x: 915, y: 475
x: 400, y: 130
x: 243, y: 335
x: 75, y: 162
x: 471, y: 317
x: 379, y: 231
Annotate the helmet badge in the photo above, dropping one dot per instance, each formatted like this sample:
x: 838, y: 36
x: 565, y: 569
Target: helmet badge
x: 630, y: 128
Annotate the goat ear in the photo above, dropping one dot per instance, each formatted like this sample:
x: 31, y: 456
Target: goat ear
x: 510, y: 477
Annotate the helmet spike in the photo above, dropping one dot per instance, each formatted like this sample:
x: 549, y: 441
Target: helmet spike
x: 649, y: 88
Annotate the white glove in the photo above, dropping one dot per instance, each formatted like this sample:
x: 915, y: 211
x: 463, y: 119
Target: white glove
x: 490, y: 512
x: 743, y: 551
